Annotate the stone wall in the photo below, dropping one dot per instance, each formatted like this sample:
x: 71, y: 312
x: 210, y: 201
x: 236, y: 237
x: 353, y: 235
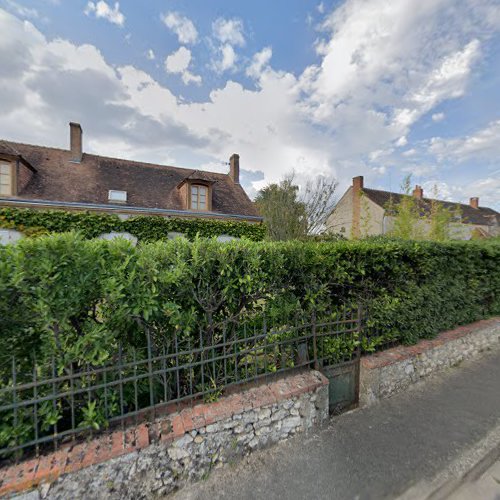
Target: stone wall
x: 148, y: 461
x: 389, y: 372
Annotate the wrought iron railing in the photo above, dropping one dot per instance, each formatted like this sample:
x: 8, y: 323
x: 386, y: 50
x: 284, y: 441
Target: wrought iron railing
x: 60, y: 402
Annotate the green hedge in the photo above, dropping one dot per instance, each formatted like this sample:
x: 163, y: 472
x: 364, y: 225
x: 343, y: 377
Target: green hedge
x: 145, y: 228
x: 79, y: 299
x: 411, y: 290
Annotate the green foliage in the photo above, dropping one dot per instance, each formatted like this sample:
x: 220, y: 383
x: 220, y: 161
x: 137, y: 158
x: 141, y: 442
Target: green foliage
x: 412, y: 222
x: 284, y: 213
x: 73, y: 301
x: 77, y: 298
x: 145, y: 228
x: 408, y: 222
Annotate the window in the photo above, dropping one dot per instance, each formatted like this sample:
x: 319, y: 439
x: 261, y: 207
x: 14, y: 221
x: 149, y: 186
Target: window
x: 199, y: 197
x: 117, y: 196
x: 5, y: 179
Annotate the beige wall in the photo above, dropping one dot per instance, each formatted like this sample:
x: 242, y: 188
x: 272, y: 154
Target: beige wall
x: 373, y: 222
x: 371, y: 217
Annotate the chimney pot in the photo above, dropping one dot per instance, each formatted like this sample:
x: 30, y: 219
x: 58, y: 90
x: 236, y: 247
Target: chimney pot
x: 418, y: 192
x: 234, y: 169
x: 357, y: 183
x: 76, y: 142
x: 474, y: 202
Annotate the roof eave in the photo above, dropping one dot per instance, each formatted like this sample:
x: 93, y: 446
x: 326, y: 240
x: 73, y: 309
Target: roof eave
x: 122, y: 208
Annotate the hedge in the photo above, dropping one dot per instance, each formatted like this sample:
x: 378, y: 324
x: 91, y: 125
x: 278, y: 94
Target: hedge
x: 411, y: 290
x: 145, y: 228
x: 78, y: 299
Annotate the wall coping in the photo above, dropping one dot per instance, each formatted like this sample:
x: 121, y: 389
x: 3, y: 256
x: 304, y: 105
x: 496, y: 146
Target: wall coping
x: 167, y: 429
x: 402, y: 353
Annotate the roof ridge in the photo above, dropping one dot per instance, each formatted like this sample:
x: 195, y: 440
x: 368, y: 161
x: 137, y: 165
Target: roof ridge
x: 97, y: 156
x: 429, y: 199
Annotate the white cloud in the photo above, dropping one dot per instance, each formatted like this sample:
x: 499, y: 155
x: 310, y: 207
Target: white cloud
x: 227, y: 59
x: 178, y: 63
x: 102, y: 10
x: 321, y: 8
x: 438, y: 117
x: 380, y: 61
x: 447, y: 81
x: 151, y: 55
x: 229, y: 31
x: 402, y: 141
x: 182, y: 26
x: 21, y: 10
x: 229, y: 34
x: 486, y: 189
x: 259, y: 62
x: 391, y: 62
x: 484, y: 145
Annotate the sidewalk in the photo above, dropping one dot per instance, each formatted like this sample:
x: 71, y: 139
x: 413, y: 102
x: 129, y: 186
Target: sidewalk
x: 378, y: 452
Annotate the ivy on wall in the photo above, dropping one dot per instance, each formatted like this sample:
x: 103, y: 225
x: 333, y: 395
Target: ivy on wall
x: 145, y: 228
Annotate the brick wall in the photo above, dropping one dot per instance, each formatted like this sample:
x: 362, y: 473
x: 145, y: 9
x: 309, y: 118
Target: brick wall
x: 159, y: 457
x: 24, y: 175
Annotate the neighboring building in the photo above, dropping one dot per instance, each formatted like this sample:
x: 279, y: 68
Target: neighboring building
x: 43, y: 177
x: 364, y: 212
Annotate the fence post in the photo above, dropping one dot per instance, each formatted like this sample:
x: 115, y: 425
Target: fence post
x: 359, y: 327
x: 150, y: 374
x: 315, y: 346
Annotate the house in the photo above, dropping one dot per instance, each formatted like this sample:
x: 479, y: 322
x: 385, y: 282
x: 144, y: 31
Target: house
x: 366, y: 212
x: 40, y: 177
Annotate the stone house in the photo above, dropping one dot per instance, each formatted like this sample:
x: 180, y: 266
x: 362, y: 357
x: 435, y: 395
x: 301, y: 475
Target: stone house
x: 39, y: 177
x: 365, y: 212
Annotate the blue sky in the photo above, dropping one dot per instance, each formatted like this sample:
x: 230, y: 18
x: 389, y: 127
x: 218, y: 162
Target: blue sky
x: 342, y: 88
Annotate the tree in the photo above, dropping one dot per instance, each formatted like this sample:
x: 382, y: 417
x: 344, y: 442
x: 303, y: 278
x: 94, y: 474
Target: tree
x: 283, y: 212
x: 406, y: 213
x: 427, y: 219
x: 293, y: 213
x: 319, y: 200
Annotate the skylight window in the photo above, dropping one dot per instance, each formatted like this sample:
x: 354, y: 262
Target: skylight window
x: 117, y: 196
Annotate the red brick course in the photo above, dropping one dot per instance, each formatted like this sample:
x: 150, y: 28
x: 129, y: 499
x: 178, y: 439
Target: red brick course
x: 400, y: 353
x: 47, y: 468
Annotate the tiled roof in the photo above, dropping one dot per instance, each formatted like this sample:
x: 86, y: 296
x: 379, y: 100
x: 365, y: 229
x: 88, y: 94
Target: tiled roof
x: 7, y: 149
x: 147, y: 185
x: 482, y: 215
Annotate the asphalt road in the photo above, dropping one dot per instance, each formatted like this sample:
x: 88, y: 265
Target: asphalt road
x: 373, y: 453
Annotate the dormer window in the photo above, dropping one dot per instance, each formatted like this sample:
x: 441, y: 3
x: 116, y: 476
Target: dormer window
x: 117, y: 196
x: 199, y: 197
x: 5, y: 179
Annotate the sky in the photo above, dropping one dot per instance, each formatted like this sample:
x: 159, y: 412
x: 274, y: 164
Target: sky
x: 379, y: 88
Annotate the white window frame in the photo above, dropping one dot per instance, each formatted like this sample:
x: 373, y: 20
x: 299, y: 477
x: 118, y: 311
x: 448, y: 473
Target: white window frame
x: 6, y: 172
x: 196, y: 193
x: 117, y: 196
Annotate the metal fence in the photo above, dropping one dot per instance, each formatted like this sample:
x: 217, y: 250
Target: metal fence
x: 64, y: 402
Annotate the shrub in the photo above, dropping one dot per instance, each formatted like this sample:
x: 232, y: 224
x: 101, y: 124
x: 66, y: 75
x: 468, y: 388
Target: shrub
x: 145, y: 228
x: 77, y: 300
x: 57, y: 291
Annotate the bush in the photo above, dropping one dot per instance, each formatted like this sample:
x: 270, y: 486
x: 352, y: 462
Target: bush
x: 145, y: 228
x: 76, y: 300
x: 63, y: 293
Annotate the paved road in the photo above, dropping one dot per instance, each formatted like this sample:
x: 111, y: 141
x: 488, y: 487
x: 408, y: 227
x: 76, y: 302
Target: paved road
x: 377, y: 452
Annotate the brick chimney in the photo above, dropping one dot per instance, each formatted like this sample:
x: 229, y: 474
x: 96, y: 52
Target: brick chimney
x: 474, y: 202
x: 357, y: 187
x: 76, y: 142
x: 418, y: 192
x: 234, y: 169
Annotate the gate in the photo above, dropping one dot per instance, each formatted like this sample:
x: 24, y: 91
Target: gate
x: 342, y: 371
